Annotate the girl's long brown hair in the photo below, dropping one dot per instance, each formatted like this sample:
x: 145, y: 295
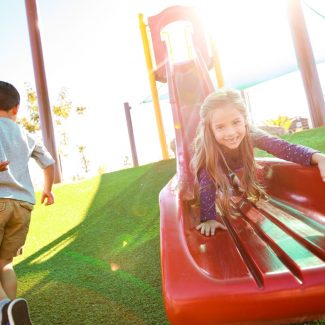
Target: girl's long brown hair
x: 208, y: 155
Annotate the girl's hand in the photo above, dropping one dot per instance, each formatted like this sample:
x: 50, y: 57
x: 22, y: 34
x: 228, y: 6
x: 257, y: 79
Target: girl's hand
x: 209, y: 227
x: 319, y: 160
x: 4, y: 165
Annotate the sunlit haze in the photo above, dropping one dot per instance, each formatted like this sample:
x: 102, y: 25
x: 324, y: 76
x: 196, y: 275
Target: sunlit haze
x: 94, y: 49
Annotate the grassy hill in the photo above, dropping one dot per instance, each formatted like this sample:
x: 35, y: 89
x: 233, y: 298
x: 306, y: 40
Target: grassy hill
x: 93, y: 257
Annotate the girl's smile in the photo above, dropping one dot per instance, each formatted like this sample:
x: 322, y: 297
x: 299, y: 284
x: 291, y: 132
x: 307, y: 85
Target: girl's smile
x: 228, y: 126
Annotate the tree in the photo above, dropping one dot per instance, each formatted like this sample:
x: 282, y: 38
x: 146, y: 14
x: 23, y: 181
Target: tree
x: 31, y: 122
x: 84, y: 161
x: 61, y: 111
x: 126, y: 162
x: 282, y: 121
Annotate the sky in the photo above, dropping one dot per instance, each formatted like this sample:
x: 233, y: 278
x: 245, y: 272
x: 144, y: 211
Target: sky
x: 94, y: 50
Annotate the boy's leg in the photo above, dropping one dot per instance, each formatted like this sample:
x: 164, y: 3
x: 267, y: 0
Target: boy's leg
x: 3, y: 294
x: 14, y: 219
x: 8, y: 278
x: 4, y: 300
x: 15, y: 222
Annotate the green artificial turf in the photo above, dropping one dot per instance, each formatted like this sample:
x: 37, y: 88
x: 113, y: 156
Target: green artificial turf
x: 93, y: 257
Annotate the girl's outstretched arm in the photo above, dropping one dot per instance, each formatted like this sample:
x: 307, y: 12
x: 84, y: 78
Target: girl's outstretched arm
x: 283, y: 149
x: 319, y: 160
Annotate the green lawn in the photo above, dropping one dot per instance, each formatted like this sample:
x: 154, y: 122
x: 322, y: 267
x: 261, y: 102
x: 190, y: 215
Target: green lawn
x: 93, y: 257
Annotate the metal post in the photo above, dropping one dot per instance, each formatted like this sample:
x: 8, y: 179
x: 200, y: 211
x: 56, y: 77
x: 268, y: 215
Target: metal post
x: 41, y: 86
x: 127, y: 109
x: 306, y: 63
x: 153, y: 87
x: 216, y: 63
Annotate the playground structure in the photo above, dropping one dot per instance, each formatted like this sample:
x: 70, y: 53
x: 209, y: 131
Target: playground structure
x: 269, y: 266
x: 304, y: 58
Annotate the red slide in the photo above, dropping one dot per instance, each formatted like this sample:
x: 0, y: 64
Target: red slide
x: 269, y: 266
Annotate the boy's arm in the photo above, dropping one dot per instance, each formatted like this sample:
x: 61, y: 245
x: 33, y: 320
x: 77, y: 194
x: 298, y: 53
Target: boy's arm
x: 46, y: 162
x: 47, y: 195
x: 4, y: 165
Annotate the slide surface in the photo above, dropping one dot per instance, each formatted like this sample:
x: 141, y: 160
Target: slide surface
x: 268, y: 267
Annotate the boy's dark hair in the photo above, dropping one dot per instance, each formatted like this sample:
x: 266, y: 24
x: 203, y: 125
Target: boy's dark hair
x: 9, y: 96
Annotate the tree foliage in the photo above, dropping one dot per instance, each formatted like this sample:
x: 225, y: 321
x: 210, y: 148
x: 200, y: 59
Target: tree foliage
x: 62, y: 111
x: 84, y: 160
x: 282, y: 121
x: 31, y: 122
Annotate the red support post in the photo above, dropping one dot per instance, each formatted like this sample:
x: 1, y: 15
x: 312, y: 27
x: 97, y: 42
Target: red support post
x: 41, y: 86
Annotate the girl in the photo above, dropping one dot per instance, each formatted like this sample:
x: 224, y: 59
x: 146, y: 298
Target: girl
x: 224, y: 143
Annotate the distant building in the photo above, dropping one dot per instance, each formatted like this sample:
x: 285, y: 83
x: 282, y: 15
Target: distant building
x: 299, y: 124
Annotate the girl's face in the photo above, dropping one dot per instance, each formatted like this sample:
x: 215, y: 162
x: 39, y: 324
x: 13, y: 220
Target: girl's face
x: 228, y: 126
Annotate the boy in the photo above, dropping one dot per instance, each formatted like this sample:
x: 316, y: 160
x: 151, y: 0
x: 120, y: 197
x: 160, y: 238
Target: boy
x: 16, y: 199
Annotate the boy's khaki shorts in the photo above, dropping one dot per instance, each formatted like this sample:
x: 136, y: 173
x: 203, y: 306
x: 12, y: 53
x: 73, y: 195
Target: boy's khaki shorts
x: 14, y: 224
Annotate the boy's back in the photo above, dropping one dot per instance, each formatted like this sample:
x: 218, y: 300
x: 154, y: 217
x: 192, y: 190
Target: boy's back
x: 16, y: 146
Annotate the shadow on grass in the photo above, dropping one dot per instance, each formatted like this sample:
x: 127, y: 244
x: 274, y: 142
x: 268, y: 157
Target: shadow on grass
x: 106, y: 270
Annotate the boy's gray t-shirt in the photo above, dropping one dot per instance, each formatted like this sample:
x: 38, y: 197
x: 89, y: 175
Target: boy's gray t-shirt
x: 17, y: 147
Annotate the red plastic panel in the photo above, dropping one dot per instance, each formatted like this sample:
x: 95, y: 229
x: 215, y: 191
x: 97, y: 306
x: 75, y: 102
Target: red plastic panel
x: 189, y: 83
x: 266, y: 268
x: 170, y: 15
